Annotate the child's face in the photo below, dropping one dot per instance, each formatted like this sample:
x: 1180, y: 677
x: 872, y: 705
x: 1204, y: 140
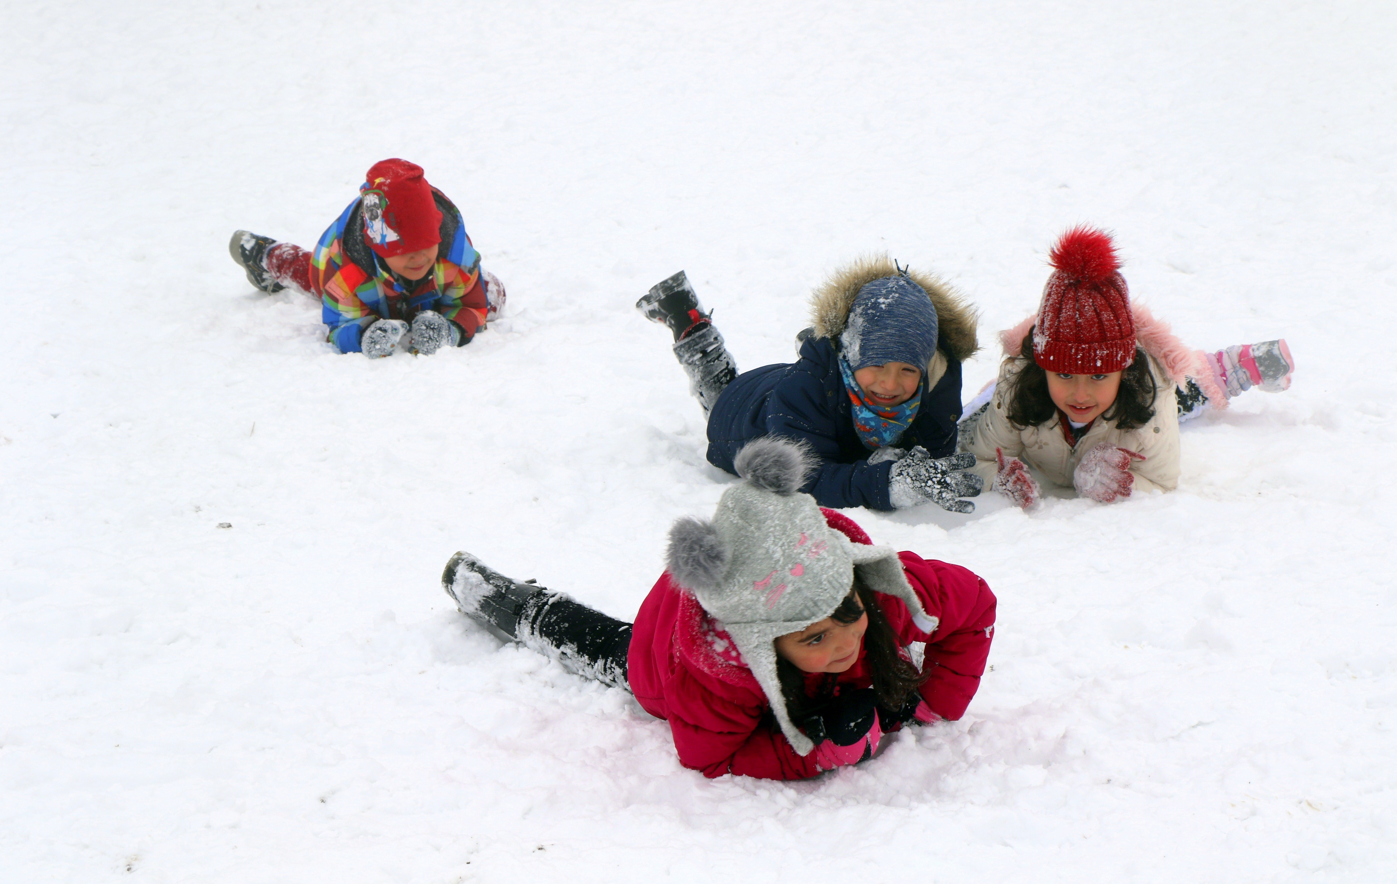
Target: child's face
x: 413, y: 265
x: 1083, y: 397
x: 888, y: 385
x: 826, y: 646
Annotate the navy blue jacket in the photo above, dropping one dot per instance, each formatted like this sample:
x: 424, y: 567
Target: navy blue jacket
x: 807, y: 401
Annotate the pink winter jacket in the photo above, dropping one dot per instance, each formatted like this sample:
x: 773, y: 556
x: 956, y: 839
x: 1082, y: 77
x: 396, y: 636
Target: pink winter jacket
x: 684, y: 669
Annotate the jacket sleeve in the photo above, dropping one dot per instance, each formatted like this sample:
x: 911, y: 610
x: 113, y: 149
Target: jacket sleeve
x: 991, y: 429
x: 463, y: 299
x: 958, y: 650
x: 1160, y: 469
x: 798, y: 410
x: 719, y: 735
x: 345, y: 289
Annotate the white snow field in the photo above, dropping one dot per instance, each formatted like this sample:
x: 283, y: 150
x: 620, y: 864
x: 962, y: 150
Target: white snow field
x: 225, y: 655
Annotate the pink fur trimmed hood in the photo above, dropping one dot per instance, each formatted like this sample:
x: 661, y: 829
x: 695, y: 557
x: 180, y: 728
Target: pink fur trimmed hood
x: 1154, y: 337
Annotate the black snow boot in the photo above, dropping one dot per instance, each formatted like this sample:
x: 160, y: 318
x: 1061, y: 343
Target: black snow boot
x: 673, y: 303
x: 697, y: 344
x: 707, y: 362
x: 248, y: 249
x: 584, y: 641
x: 487, y: 596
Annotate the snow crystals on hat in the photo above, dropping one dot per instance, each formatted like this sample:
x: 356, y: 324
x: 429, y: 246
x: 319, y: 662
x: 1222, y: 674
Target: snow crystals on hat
x: 768, y: 563
x: 1084, y: 321
x: 891, y: 320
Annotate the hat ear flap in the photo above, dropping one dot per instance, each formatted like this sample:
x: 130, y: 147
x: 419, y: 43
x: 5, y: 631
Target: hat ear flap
x: 697, y: 557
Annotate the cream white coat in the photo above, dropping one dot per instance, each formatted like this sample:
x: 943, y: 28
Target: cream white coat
x: 1045, y: 448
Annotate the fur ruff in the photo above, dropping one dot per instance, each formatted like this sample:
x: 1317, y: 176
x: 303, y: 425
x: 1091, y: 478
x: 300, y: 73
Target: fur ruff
x: 831, y: 301
x: 1157, y: 339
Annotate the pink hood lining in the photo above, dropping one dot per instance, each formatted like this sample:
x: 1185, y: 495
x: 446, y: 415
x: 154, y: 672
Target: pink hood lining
x: 1155, y: 337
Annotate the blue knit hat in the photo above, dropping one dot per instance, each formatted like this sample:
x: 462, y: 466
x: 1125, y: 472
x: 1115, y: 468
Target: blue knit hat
x: 892, y: 320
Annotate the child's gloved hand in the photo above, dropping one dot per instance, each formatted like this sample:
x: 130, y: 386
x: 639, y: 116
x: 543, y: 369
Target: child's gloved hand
x: 915, y: 709
x: 846, y: 730
x: 1014, y: 481
x: 381, y: 337
x: 1104, y: 473
x: 919, y: 477
x: 430, y: 332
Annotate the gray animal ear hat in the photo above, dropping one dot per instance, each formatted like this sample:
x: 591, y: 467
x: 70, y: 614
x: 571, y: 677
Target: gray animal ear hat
x: 767, y: 564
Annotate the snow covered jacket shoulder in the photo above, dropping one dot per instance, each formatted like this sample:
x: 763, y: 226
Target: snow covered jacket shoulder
x: 806, y: 400
x: 356, y: 288
x: 684, y: 668
x: 1045, y: 448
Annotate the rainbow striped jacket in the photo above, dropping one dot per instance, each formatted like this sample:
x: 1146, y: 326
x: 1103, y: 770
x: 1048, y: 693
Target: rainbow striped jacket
x: 356, y: 288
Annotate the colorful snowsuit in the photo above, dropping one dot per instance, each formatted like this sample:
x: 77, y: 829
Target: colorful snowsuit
x: 683, y: 668
x: 1046, y: 448
x: 807, y: 400
x: 356, y: 288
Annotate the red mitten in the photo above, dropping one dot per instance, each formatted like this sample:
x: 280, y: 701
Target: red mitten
x: 1014, y: 481
x: 1104, y: 473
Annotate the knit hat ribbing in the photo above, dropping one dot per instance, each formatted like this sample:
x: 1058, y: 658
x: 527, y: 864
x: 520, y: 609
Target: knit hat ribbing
x: 891, y: 320
x: 400, y: 213
x: 768, y: 564
x: 1084, y: 321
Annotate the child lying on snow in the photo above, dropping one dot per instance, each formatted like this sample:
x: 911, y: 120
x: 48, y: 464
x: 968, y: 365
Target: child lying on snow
x: 775, y: 643
x: 875, y: 393
x: 1092, y: 390
x: 396, y: 268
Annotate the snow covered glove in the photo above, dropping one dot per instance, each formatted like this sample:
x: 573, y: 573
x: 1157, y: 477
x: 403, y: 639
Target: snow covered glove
x: 914, y: 710
x: 381, y: 337
x: 919, y: 477
x: 846, y: 731
x: 430, y: 332
x: 1104, y: 473
x: 889, y: 453
x: 1015, y: 482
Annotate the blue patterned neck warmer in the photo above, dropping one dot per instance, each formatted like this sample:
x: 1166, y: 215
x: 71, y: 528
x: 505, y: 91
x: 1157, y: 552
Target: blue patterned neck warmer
x: 879, y: 426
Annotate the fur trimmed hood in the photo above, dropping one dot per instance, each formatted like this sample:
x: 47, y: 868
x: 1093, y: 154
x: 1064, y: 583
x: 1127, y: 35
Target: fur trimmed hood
x: 1157, y: 339
x: 831, y: 301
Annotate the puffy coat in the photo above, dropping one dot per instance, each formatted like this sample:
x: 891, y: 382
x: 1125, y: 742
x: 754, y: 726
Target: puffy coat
x: 807, y: 401
x: 356, y: 288
x: 683, y: 668
x: 1045, y: 448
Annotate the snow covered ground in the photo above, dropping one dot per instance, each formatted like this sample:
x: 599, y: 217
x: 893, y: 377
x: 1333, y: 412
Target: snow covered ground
x: 224, y: 652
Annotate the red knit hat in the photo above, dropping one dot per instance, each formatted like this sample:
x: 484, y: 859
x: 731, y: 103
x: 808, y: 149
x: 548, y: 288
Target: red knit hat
x: 1084, y: 323
x: 400, y: 214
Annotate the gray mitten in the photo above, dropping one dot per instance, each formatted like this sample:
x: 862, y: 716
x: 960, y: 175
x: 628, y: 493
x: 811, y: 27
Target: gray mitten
x: 381, y: 337
x: 430, y: 332
x: 919, y: 477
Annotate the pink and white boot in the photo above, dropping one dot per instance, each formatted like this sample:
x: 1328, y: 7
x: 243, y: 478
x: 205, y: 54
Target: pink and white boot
x: 1267, y: 365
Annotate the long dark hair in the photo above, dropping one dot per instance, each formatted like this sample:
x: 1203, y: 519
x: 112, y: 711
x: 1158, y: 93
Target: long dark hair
x: 894, y: 679
x: 1030, y: 404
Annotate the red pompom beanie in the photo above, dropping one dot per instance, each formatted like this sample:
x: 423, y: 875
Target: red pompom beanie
x: 1084, y: 323
x: 400, y: 214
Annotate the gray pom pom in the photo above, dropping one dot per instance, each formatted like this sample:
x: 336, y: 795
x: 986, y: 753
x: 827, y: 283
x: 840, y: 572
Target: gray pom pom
x: 697, y: 557
x: 774, y: 463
